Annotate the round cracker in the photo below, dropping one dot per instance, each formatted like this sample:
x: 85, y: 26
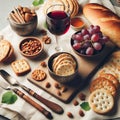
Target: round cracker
x: 38, y: 75
x: 112, y: 78
x: 65, y: 69
x: 59, y: 57
x: 10, y: 54
x: 4, y: 49
x: 53, y: 2
x: 102, y: 82
x: 63, y: 59
x: 75, y: 8
x: 65, y: 2
x: 101, y: 101
x: 71, y: 6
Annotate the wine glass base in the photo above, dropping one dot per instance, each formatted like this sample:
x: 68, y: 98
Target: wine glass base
x: 54, y: 49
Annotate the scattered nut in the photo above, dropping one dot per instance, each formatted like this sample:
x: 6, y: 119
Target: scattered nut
x: 82, y: 96
x: 57, y: 85
x: 64, y: 89
x: 47, y: 85
x: 59, y: 93
x: 75, y: 102
x: 43, y: 64
x: 70, y: 115
x: 46, y: 39
x: 81, y: 113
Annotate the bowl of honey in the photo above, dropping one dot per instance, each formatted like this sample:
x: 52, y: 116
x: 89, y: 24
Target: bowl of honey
x: 77, y: 23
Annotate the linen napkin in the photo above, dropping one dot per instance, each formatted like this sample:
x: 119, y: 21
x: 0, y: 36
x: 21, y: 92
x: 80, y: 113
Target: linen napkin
x: 22, y: 110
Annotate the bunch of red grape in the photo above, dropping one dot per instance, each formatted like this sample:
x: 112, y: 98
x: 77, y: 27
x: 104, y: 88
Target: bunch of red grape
x: 89, y: 41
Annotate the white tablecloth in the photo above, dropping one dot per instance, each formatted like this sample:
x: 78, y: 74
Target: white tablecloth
x: 21, y: 108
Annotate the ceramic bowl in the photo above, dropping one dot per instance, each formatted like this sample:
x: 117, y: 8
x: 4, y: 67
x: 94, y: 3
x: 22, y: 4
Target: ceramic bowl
x: 81, y: 51
x: 23, y: 29
x: 77, y: 23
x: 31, y: 47
x: 59, y: 78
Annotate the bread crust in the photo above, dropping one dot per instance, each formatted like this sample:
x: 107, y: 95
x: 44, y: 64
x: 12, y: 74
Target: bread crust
x: 108, y: 21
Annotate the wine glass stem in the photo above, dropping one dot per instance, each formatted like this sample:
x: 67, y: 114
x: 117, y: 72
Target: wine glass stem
x: 57, y: 48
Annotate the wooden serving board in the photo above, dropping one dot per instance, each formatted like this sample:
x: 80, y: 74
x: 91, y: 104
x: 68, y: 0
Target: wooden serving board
x: 87, y: 68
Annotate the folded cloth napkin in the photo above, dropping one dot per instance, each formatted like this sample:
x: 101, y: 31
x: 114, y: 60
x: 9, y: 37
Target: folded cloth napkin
x: 21, y: 110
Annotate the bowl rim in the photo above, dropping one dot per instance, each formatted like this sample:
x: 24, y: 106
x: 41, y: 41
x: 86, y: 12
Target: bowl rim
x: 79, y: 26
x: 50, y: 59
x: 22, y: 24
x: 33, y: 38
x: 84, y: 55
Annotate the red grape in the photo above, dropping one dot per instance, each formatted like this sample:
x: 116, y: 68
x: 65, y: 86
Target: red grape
x: 89, y: 51
x: 96, y: 28
x: 76, y: 46
x: 97, y: 46
x: 95, y: 37
x: 84, y: 31
x: 86, y: 37
x: 89, y: 41
x: 77, y: 37
x: 86, y: 44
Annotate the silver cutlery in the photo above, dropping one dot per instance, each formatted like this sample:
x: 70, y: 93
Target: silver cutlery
x: 11, y: 80
x: 6, y: 86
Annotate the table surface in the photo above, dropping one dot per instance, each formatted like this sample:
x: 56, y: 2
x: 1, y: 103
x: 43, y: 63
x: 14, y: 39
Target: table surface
x: 6, y: 6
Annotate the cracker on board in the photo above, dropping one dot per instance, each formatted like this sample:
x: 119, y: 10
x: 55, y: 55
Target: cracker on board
x: 20, y: 67
x: 112, y: 66
x: 102, y: 82
x: 112, y: 78
x: 101, y: 101
x: 38, y: 75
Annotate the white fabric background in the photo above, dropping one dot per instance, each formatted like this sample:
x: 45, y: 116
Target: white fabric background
x: 21, y: 108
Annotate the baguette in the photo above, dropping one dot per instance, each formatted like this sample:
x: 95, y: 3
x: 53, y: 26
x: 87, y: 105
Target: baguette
x: 108, y: 21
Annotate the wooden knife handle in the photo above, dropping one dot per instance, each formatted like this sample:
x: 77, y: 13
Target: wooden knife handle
x: 53, y: 106
x: 33, y: 103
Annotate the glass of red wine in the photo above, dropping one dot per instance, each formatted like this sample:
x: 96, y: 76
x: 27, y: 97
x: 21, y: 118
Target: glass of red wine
x: 58, y: 23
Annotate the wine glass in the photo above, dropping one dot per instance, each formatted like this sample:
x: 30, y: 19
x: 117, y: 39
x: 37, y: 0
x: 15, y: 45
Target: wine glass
x: 58, y: 23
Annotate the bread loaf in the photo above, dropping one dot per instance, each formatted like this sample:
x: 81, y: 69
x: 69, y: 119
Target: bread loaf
x: 108, y: 21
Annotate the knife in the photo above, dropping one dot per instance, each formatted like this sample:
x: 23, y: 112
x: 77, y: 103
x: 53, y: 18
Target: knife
x: 53, y: 106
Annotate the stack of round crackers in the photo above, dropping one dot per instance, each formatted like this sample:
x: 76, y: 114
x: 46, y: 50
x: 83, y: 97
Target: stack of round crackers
x: 71, y: 5
x: 6, y: 51
x: 103, y: 91
x: 64, y: 65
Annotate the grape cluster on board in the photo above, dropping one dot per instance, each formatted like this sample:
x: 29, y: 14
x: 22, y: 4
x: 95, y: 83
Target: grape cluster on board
x: 89, y: 41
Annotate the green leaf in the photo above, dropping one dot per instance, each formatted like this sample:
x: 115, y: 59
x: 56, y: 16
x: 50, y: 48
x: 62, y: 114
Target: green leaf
x: 37, y: 2
x: 85, y: 106
x: 9, y: 98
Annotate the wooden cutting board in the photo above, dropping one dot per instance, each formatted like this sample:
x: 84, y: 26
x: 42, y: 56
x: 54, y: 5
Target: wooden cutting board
x: 87, y: 68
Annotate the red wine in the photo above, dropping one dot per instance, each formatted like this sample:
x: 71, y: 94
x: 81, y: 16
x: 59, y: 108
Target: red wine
x: 58, y: 22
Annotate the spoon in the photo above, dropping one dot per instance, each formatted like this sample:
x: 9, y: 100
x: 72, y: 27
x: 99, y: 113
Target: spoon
x: 5, y: 86
x: 53, y: 106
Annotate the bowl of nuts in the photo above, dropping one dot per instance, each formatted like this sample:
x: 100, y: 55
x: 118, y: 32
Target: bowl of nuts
x: 23, y: 20
x: 89, y: 42
x: 31, y: 47
x: 63, y: 67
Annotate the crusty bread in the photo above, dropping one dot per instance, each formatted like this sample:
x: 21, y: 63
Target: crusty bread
x: 105, y: 18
